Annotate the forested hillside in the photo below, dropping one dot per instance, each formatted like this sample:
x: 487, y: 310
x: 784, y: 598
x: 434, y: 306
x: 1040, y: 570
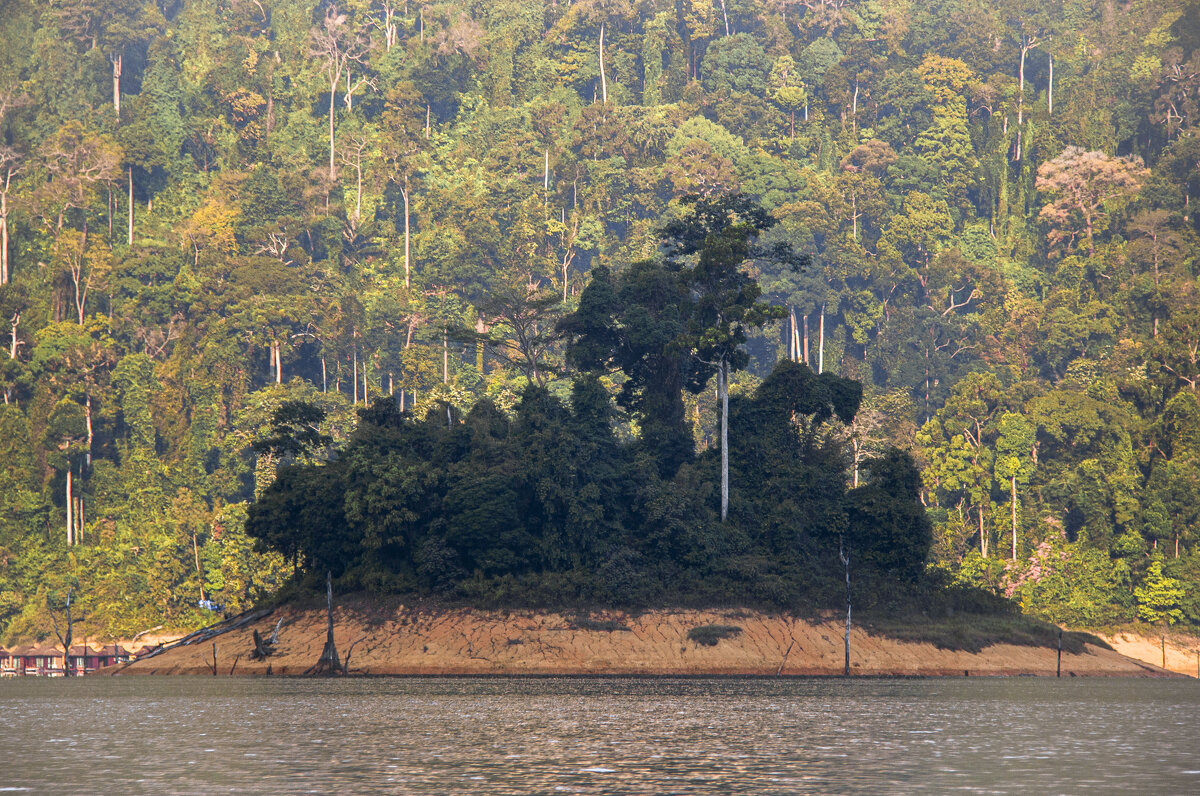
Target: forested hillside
x: 212, y: 209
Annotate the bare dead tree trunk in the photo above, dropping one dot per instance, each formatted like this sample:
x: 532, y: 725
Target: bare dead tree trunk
x: 1050, y: 92
x: 821, y: 344
x: 983, y: 540
x: 129, y: 238
x: 723, y: 387
x: 603, y: 79
x: 91, y: 434
x: 1014, y: 518
x: 4, y: 236
x: 804, y: 348
x: 791, y: 333
x: 196, y: 557
x: 407, y: 267
x: 332, y: 92
x: 70, y: 510
x: 328, y: 663
x: 845, y: 557
x: 65, y: 640
x: 116, y: 74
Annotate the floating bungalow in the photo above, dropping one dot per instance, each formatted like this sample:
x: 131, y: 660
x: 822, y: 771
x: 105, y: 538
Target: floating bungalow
x: 43, y: 660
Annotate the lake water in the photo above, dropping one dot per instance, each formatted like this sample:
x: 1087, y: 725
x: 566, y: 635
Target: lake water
x: 598, y: 735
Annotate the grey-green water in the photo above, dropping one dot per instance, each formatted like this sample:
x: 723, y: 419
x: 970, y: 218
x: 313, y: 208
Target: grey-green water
x: 661, y: 736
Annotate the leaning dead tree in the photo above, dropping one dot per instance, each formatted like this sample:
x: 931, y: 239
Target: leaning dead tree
x: 328, y: 663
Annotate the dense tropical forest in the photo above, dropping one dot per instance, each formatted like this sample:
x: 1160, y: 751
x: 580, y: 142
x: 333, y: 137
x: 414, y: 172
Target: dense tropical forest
x: 402, y: 255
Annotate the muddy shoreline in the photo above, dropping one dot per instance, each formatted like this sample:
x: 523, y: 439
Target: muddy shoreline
x: 424, y: 641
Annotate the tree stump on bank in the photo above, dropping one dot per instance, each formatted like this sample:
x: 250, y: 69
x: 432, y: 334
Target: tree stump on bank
x: 328, y: 664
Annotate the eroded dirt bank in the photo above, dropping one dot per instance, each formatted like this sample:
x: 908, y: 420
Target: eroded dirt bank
x: 1182, y: 651
x: 409, y: 641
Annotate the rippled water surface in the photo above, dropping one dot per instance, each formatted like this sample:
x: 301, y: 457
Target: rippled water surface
x: 661, y: 736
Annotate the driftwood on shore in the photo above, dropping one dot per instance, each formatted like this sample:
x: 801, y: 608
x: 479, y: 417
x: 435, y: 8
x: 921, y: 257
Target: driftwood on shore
x: 206, y: 633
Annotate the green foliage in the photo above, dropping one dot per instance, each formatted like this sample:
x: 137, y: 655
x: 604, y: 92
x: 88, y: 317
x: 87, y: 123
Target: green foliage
x: 887, y: 527
x: 736, y: 63
x: 1020, y: 272
x: 1159, y: 597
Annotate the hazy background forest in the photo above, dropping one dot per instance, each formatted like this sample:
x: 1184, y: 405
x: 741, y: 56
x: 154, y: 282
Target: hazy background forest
x: 212, y: 207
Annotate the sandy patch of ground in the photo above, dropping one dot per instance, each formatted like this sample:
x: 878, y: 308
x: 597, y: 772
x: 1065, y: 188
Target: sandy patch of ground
x: 404, y: 640
x: 1182, y: 651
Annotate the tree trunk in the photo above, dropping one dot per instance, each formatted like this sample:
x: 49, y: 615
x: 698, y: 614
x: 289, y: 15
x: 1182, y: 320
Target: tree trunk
x: 3, y: 238
x: 1050, y: 91
x: 821, y: 344
x: 726, y: 16
x: 854, y: 112
x: 983, y: 540
x: 1014, y: 518
x: 328, y: 663
x: 856, y: 446
x: 354, y: 376
x: 332, y: 92
x: 723, y: 389
x: 66, y: 639
x: 70, y: 509
x: 116, y: 64
x: 407, y: 267
x: 196, y: 557
x: 1021, y: 90
x: 278, y: 363
x: 845, y: 557
x: 129, y: 238
x: 445, y: 355
x: 358, y: 186
x: 793, y: 349
x: 603, y: 79
x: 804, y: 347
x: 324, y: 376
x: 91, y: 435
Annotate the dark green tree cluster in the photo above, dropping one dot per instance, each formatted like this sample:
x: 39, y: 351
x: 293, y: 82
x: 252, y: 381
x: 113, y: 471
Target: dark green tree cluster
x: 210, y: 208
x: 551, y: 506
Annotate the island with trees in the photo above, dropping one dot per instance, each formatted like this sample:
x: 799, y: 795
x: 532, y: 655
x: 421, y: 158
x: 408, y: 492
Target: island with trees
x: 596, y: 305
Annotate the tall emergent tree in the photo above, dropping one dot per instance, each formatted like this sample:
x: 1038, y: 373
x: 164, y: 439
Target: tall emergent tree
x: 673, y: 323
x: 711, y: 248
